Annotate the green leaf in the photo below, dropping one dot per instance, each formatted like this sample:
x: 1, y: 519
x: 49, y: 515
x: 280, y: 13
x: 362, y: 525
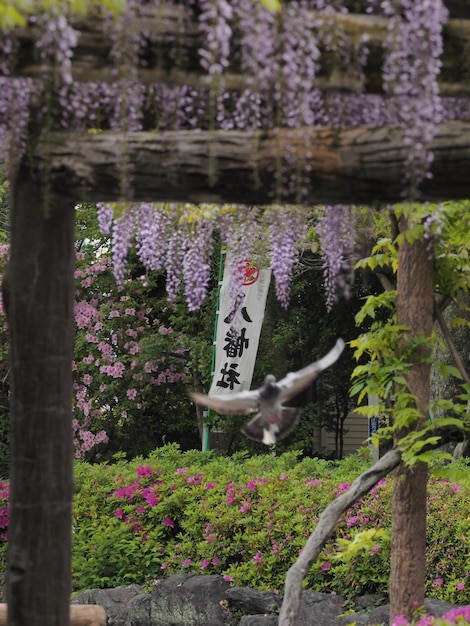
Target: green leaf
x: 452, y: 474
x: 10, y: 17
x: 274, y: 6
x: 449, y: 370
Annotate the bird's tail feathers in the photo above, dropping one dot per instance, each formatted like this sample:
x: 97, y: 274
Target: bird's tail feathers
x: 290, y: 417
x: 257, y: 429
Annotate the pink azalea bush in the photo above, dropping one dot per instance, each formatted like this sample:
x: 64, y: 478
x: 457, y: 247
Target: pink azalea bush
x: 119, y: 388
x: 116, y: 386
x: 247, y: 519
x: 460, y: 615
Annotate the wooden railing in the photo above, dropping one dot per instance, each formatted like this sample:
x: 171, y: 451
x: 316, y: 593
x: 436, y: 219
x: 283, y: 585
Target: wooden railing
x: 80, y: 615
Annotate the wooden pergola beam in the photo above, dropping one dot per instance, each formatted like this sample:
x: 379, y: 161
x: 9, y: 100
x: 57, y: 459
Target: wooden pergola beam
x: 353, y: 166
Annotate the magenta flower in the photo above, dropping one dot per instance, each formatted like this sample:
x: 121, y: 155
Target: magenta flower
x: 187, y: 562
x: 459, y: 615
x: 227, y: 578
x: 325, y: 566
x: 461, y: 586
x: 258, y: 557
x: 204, y: 563
x: 167, y: 521
x: 215, y: 561
x: 152, y: 499
x: 245, y: 506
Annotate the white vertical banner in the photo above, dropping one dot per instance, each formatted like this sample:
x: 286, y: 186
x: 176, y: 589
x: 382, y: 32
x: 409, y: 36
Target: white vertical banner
x: 238, y: 329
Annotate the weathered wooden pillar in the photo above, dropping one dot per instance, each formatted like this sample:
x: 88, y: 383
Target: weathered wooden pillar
x: 414, y: 310
x: 41, y: 325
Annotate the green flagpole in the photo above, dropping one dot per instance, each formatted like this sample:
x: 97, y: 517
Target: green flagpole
x: 205, y: 426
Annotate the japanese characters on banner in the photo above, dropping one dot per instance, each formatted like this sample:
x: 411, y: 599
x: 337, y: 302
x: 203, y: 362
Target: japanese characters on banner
x: 238, y: 329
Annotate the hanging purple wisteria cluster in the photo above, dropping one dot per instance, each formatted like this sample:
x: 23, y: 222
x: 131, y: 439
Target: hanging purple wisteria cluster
x: 277, y: 59
x: 250, y: 69
x: 179, y: 240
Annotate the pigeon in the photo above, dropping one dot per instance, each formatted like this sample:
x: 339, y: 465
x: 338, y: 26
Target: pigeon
x: 273, y: 420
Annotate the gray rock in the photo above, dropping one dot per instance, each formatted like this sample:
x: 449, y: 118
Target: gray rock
x: 361, y: 619
x: 202, y: 600
x: 370, y: 600
x: 380, y: 615
x: 114, y: 601
x: 319, y: 609
x: 437, y: 608
x: 259, y: 620
x: 253, y: 601
x: 184, y: 600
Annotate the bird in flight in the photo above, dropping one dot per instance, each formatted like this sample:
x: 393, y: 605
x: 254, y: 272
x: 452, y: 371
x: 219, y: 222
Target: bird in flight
x: 273, y: 420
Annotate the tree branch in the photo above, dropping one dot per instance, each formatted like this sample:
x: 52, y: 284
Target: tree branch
x: 328, y: 519
x: 385, y: 281
x: 326, y: 524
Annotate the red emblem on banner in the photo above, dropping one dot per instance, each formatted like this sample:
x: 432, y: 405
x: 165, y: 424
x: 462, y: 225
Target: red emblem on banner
x: 250, y: 273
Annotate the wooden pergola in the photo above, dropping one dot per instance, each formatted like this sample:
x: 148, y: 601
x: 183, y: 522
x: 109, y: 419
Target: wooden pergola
x: 348, y: 166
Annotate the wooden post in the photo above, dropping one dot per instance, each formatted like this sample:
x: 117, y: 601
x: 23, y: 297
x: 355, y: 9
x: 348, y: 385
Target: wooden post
x: 414, y: 310
x: 40, y: 313
x: 80, y: 615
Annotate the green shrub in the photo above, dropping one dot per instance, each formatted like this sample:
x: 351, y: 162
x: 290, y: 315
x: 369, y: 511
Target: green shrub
x: 248, y: 518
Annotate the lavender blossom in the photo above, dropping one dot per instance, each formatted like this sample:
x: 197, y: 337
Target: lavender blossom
x: 196, y: 263
x: 105, y: 217
x: 152, y: 235
x: 287, y: 228
x: 55, y: 46
x: 123, y: 231
x: 337, y: 231
x: 411, y: 68
x: 174, y: 261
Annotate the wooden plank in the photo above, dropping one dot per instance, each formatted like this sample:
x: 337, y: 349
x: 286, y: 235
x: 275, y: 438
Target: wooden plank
x: 80, y: 615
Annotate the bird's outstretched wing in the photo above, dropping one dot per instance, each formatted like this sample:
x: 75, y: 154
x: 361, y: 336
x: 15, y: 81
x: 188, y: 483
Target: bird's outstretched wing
x: 239, y: 403
x: 260, y: 430
x: 294, y: 382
